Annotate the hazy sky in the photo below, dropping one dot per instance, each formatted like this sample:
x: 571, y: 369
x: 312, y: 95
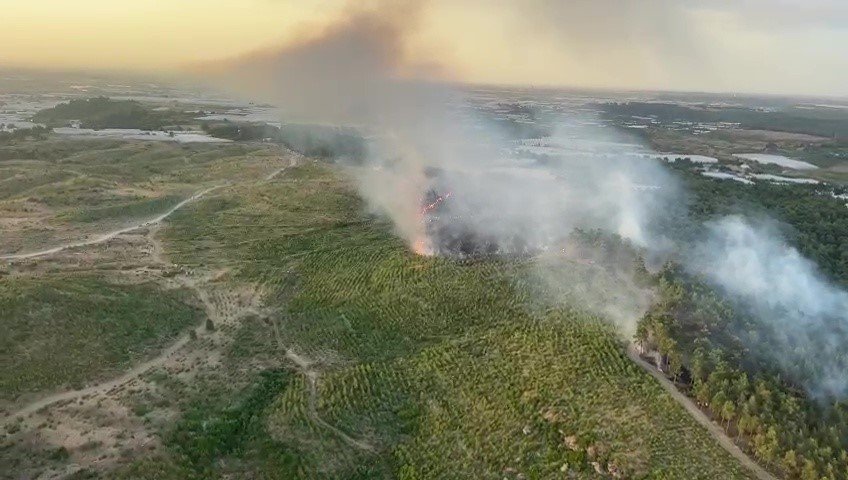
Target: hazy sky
x: 780, y: 46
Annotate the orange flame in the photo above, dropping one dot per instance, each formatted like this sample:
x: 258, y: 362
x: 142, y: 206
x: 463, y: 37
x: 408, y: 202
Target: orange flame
x: 441, y: 198
x: 421, y: 246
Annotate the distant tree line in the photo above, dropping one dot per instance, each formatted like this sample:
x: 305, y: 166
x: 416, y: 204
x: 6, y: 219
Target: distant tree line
x: 102, y: 112
x: 35, y: 133
x: 326, y: 142
x: 806, y: 121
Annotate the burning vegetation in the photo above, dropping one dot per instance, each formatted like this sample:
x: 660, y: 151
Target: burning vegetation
x: 447, y: 231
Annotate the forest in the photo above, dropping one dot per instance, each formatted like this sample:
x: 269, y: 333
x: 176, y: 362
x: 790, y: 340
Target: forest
x: 706, y: 340
x: 811, y: 218
x: 324, y: 142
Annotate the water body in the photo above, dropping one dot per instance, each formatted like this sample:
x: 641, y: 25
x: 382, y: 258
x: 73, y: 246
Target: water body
x: 136, y: 134
x: 776, y: 160
x: 778, y: 179
x: 727, y: 176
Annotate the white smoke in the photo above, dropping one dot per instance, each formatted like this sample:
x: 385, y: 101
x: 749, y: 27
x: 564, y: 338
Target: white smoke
x: 431, y: 137
x: 800, y: 319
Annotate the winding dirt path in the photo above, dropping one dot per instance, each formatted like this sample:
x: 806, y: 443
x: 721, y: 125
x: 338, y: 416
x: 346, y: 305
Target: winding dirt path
x: 716, y: 431
x: 305, y: 366
x: 110, y: 235
x: 157, y: 258
x: 104, y: 387
x: 294, y: 159
x: 162, y: 357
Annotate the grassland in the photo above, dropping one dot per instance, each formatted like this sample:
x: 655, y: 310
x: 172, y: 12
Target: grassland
x: 377, y: 363
x: 331, y: 351
x: 58, y: 190
x: 69, y: 330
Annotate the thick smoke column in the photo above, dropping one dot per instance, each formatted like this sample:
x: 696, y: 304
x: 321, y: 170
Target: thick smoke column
x: 428, y: 139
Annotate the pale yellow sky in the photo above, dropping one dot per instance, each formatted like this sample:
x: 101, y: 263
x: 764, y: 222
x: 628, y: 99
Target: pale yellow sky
x: 146, y: 34
x: 780, y: 46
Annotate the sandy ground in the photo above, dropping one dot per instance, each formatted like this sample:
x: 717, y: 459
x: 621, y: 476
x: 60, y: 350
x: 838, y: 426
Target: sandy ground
x: 105, y: 237
x: 96, y: 425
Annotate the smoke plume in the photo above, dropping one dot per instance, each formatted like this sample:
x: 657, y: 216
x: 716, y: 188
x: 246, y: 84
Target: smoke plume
x: 799, y: 318
x: 455, y: 181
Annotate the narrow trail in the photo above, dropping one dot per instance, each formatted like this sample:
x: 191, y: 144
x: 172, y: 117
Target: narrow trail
x: 311, y: 375
x: 136, y: 371
x: 293, y: 161
x: 110, y: 235
x: 157, y: 257
x: 100, y: 387
x: 717, y: 432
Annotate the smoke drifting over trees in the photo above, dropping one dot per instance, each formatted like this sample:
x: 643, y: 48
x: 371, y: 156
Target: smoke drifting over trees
x: 801, y: 319
x: 424, y: 138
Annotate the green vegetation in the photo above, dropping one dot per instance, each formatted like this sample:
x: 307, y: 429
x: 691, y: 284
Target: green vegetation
x: 324, y: 142
x: 25, y: 180
x: 426, y: 367
x: 819, y: 222
x: 61, y: 189
x: 240, y: 131
x: 102, y: 112
x: 702, y: 338
x: 316, y: 141
x: 526, y: 398
x: 69, y: 330
x: 366, y: 361
x: 207, y: 433
x: 34, y: 133
x: 826, y: 155
x: 142, y: 208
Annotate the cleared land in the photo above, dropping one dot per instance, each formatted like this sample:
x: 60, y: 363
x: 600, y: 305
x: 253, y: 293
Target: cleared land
x: 57, y: 192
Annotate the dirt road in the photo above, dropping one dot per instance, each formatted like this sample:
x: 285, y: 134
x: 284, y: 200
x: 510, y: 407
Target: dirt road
x: 294, y: 159
x: 100, y: 387
x: 311, y: 375
x: 716, y: 431
x: 110, y: 235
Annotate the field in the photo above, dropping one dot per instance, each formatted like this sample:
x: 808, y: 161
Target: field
x: 392, y: 365
x: 69, y: 329
x: 55, y: 190
x: 309, y: 342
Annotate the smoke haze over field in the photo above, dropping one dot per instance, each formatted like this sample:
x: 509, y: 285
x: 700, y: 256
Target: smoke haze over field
x: 427, y: 139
